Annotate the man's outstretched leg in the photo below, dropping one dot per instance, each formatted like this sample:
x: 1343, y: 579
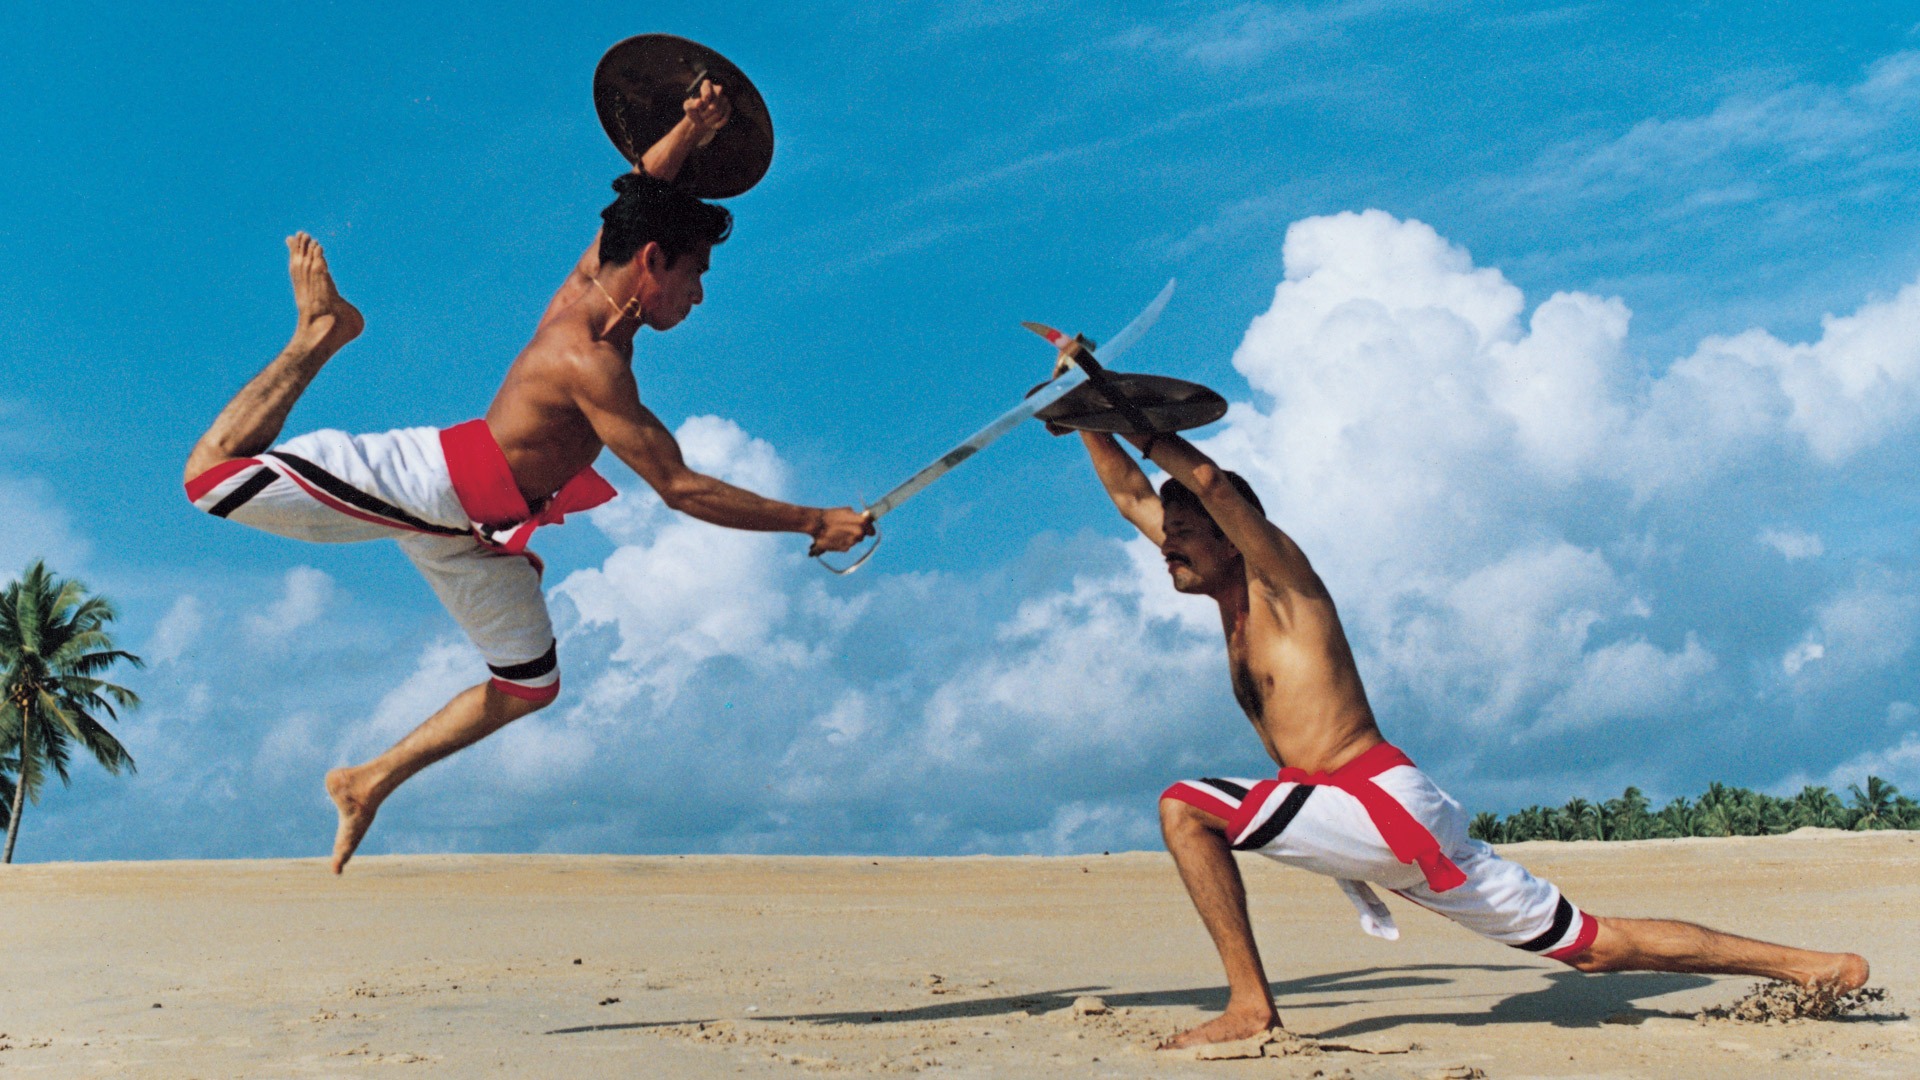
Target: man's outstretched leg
x: 253, y: 419
x: 357, y: 791
x: 1197, y: 841
x: 1664, y: 945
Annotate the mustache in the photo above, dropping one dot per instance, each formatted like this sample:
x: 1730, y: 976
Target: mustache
x: 1175, y: 558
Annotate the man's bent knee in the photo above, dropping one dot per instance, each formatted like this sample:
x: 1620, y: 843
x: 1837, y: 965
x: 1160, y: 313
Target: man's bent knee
x: 1178, y: 815
x: 204, y: 472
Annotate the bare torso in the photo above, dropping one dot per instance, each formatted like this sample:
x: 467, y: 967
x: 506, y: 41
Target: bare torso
x: 1294, y: 674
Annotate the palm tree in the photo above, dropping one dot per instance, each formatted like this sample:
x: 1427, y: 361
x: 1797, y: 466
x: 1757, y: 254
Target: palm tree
x: 1675, y: 819
x: 1486, y: 827
x: 1873, y: 807
x: 1626, y: 817
x: 1570, y: 821
x: 1819, y: 807
x: 1532, y: 823
x: 1906, y: 813
x: 54, y: 646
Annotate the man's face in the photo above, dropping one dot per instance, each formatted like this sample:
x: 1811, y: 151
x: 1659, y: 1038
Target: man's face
x: 1199, y: 559
x: 669, y: 293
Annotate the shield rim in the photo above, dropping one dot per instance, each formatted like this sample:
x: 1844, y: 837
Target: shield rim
x: 1148, y: 392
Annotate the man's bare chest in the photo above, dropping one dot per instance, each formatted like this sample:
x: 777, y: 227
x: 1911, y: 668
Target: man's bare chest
x: 1252, y: 684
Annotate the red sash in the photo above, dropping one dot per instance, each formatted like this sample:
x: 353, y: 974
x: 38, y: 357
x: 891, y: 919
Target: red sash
x: 484, y: 483
x: 1410, y: 840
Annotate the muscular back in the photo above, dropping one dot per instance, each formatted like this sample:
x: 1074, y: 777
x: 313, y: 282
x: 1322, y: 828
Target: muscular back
x: 536, y: 416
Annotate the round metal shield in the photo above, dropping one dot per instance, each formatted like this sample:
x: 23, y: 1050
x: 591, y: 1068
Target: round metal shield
x: 1172, y: 405
x: 638, y: 89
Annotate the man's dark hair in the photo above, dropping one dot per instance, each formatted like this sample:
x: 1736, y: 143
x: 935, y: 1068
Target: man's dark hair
x: 652, y: 209
x: 1175, y: 493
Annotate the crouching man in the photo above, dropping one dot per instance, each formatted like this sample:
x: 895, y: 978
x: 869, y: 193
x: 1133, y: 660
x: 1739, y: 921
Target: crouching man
x: 1346, y: 802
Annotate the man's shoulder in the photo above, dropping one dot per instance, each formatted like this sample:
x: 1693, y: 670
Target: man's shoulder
x: 567, y: 348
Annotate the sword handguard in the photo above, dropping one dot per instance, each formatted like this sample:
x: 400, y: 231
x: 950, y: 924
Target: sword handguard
x: 856, y: 564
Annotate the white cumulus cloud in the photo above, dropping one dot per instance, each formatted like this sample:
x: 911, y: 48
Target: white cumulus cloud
x: 305, y: 593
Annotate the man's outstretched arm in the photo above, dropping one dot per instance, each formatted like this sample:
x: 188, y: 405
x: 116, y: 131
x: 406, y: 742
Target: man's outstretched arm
x: 705, y: 113
x: 610, y: 399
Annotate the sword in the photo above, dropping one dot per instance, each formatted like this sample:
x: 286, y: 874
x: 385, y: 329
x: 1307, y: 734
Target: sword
x: 1038, y: 398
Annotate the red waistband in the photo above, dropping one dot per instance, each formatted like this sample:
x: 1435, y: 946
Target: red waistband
x: 1370, y: 764
x: 1410, y: 841
x: 484, y: 484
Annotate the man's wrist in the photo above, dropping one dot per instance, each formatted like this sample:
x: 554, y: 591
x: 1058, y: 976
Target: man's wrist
x: 814, y: 520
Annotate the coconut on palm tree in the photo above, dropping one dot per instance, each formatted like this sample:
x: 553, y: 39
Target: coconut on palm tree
x: 54, y: 648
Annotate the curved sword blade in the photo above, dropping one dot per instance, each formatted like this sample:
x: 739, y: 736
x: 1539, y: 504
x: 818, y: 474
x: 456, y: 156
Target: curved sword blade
x: 1046, y: 395
x: 977, y: 442
x: 1137, y: 329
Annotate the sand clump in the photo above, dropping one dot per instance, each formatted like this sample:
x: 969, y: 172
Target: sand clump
x: 1781, y: 1002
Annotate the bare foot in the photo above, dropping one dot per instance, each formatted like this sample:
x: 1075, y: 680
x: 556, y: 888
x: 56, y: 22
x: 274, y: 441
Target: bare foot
x: 1230, y: 1026
x: 356, y: 810
x: 1844, y: 975
x: 327, y: 321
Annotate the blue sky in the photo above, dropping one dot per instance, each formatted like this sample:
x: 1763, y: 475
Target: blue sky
x: 1577, y: 343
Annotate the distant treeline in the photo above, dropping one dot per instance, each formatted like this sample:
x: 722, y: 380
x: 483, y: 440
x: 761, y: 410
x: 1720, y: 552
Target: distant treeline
x: 1722, y: 811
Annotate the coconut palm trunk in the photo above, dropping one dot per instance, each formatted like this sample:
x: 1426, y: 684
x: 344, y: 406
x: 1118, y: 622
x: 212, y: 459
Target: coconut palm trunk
x: 19, y: 798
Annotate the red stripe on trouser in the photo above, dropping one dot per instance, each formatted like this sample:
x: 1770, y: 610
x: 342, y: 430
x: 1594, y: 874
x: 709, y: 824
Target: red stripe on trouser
x: 206, y: 481
x: 528, y: 693
x: 1589, y: 929
x: 1410, y: 841
x: 1202, y: 800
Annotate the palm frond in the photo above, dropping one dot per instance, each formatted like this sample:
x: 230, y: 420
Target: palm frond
x: 106, y: 749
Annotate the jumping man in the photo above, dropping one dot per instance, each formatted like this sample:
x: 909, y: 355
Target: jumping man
x: 1347, y: 803
x: 462, y: 502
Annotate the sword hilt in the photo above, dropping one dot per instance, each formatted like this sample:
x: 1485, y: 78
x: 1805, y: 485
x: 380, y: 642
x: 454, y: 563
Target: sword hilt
x: 1097, y: 378
x: 856, y: 564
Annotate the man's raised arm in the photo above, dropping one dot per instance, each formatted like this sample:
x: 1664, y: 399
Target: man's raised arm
x: 1272, y: 557
x: 705, y: 113
x: 610, y: 399
x: 1126, y: 485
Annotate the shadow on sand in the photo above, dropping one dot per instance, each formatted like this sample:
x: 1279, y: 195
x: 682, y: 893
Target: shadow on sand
x: 1569, y: 1000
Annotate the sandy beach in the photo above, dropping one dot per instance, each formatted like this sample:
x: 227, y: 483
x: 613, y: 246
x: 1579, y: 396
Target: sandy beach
x: 424, y: 966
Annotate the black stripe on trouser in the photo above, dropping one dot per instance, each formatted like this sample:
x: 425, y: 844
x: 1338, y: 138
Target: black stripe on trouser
x: 532, y: 669
x: 1271, y: 829
x: 1562, y: 918
x: 358, y: 499
x: 239, y: 496
x: 1227, y: 786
